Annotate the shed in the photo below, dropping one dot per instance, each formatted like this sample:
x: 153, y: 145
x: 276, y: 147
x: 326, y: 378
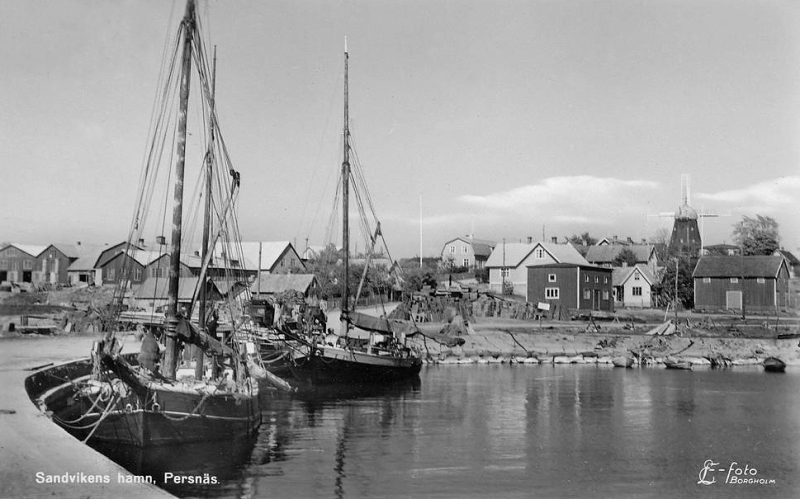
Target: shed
x: 759, y: 283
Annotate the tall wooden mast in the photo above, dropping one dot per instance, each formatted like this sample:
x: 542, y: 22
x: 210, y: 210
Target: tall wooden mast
x: 346, y: 202
x: 170, y: 355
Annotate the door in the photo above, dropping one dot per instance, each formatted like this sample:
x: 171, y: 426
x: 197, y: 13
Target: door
x: 733, y: 300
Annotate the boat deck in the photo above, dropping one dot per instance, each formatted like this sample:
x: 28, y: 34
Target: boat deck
x: 34, y: 448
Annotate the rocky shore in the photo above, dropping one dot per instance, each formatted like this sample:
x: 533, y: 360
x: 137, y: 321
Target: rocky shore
x: 515, y: 343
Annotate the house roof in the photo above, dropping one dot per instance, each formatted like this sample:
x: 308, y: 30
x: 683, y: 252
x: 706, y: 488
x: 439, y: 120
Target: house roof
x: 516, y: 253
x: 621, y: 274
x: 480, y: 247
x: 277, y: 283
x: 738, y: 266
x: 154, y: 288
x: 88, y: 260
x: 789, y: 257
x: 33, y: 250
x: 270, y: 251
x: 608, y: 252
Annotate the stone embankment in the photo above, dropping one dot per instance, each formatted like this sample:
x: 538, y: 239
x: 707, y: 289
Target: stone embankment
x: 497, y: 343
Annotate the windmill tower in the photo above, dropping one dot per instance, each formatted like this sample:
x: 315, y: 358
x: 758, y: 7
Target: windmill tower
x: 685, y: 239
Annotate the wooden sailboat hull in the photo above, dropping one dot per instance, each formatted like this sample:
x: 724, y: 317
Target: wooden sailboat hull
x: 339, y: 365
x: 160, y: 417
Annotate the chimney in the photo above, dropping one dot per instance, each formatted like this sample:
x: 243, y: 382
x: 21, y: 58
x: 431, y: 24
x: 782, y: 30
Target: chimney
x: 644, y: 241
x: 554, y: 240
x: 530, y: 240
x: 79, y: 243
x: 615, y: 238
x: 141, y: 242
x: 161, y: 240
x: 630, y: 240
x: 196, y: 252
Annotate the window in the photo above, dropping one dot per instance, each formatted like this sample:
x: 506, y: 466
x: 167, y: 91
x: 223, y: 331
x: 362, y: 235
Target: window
x: 551, y: 293
x: 27, y: 265
x: 734, y: 280
x: 157, y: 272
x: 137, y: 274
x: 452, y: 248
x: 706, y: 280
x: 466, y: 262
x: 503, y: 272
x: 636, y: 276
x: 587, y: 294
x: 596, y: 279
x: 760, y: 280
x: 586, y: 277
x: 605, y: 295
x: 4, y: 264
x: 605, y: 280
x: 464, y: 249
x: 637, y: 291
x: 540, y: 253
x: 551, y: 278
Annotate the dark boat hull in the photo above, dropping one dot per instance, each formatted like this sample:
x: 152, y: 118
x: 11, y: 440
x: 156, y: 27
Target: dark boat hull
x: 159, y: 417
x: 774, y: 365
x: 331, y: 366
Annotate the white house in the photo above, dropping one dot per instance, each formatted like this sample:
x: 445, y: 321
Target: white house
x: 509, y: 262
x: 633, y: 286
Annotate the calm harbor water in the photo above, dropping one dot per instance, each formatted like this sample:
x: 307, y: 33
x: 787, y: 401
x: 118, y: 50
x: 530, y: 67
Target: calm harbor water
x: 517, y: 431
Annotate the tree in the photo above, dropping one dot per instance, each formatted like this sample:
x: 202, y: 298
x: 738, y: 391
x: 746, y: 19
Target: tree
x: 660, y: 241
x: 584, y: 239
x: 757, y: 236
x: 625, y: 256
x: 327, y: 267
x: 666, y: 291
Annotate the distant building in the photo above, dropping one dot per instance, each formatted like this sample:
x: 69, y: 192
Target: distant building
x: 18, y: 262
x: 272, y: 284
x: 605, y: 255
x: 791, y: 261
x: 152, y: 294
x: 571, y: 286
x: 633, y: 286
x: 274, y: 257
x: 467, y: 252
x: 721, y: 250
x: 509, y: 262
x: 725, y: 282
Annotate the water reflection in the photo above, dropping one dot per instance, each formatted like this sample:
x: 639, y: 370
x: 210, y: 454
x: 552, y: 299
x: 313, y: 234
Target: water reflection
x: 502, y: 431
x: 214, y: 467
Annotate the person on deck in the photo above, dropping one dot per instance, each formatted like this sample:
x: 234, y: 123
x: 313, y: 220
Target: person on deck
x: 149, y: 355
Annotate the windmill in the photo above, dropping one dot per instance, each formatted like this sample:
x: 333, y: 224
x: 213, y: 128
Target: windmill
x: 686, y: 238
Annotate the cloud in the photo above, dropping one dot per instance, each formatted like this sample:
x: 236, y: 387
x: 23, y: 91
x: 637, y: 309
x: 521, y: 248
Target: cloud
x: 769, y: 196
x: 578, y: 199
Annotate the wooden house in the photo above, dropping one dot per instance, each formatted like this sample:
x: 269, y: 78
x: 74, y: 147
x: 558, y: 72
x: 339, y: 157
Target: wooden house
x: 272, y: 284
x: 571, y: 286
x: 467, y: 252
x: 18, y: 262
x: 509, y: 262
x: 151, y: 295
x: 760, y: 283
x: 633, y: 286
x: 273, y: 257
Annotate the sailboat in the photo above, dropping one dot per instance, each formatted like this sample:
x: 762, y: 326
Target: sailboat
x: 366, y: 349
x: 149, y: 399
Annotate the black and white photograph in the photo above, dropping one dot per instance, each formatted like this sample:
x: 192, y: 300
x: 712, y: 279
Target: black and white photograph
x: 362, y: 249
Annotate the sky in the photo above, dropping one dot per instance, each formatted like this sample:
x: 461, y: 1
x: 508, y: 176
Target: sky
x: 504, y: 119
